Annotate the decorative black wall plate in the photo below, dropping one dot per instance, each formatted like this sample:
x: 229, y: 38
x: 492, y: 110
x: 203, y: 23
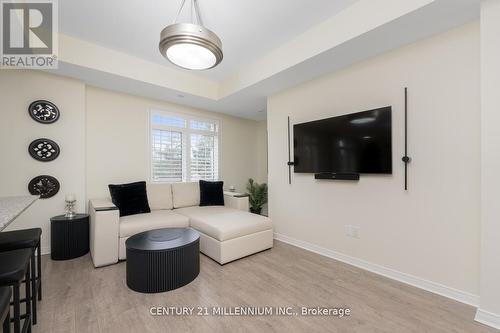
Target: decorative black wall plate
x: 44, y: 150
x: 44, y: 112
x: 44, y: 186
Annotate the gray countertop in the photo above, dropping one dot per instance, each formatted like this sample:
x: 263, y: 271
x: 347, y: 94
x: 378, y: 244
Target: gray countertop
x: 12, y: 207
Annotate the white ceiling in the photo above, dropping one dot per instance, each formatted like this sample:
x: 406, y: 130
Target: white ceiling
x: 248, y: 28
x: 268, y: 47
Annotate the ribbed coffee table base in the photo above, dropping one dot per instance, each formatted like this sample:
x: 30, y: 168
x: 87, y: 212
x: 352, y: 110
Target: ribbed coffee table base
x: 155, y: 271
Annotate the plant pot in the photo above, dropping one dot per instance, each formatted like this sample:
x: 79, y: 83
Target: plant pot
x: 256, y: 210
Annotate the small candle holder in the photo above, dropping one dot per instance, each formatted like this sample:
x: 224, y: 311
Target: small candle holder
x: 70, y: 206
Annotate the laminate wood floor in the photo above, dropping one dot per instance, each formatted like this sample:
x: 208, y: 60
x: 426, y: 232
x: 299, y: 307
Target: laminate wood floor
x: 79, y: 298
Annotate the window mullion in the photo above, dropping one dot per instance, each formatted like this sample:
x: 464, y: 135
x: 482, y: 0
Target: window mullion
x: 188, y: 155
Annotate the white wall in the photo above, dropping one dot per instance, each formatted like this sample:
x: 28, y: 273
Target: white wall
x: 262, y: 152
x: 17, y: 90
x: 117, y: 134
x: 489, y: 311
x: 430, y: 232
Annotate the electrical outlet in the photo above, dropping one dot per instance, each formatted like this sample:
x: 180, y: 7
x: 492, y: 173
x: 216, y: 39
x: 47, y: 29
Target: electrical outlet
x: 354, y: 232
x: 347, y: 230
x: 351, y: 231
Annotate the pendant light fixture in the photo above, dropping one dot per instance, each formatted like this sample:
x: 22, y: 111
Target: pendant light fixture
x: 191, y: 45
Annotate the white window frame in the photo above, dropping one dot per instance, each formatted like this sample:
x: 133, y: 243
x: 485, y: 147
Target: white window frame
x: 186, y: 162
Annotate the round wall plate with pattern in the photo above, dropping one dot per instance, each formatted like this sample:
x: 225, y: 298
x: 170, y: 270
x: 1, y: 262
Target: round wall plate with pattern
x: 44, y: 186
x: 44, y: 150
x: 44, y: 112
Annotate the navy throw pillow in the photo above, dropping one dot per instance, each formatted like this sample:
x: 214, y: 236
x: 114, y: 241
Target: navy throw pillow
x: 211, y: 193
x: 130, y: 198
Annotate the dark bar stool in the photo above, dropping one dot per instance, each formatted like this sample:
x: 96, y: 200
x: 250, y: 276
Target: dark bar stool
x: 27, y: 239
x: 14, y: 267
x: 5, y: 294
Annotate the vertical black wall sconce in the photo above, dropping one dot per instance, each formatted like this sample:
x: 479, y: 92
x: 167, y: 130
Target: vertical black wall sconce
x: 406, y: 159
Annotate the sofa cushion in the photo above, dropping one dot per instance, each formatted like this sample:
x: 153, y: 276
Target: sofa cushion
x: 211, y: 193
x: 157, y: 219
x: 160, y: 196
x: 186, y: 194
x: 198, y: 211
x: 224, y: 223
x: 130, y: 198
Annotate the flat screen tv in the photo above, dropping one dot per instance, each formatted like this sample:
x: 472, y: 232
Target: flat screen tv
x: 353, y: 143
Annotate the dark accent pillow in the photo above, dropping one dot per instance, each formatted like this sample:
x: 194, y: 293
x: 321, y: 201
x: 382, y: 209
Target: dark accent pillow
x: 130, y: 198
x: 211, y: 193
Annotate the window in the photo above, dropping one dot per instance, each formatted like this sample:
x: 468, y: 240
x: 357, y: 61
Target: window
x: 183, y: 148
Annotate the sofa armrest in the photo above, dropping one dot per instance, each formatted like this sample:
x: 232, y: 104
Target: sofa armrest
x: 234, y: 200
x: 102, y: 204
x: 104, y: 232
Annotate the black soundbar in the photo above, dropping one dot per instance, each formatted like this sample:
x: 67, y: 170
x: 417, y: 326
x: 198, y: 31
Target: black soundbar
x: 337, y: 175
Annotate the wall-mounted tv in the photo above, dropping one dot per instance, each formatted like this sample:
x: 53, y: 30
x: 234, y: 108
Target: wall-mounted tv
x: 353, y: 143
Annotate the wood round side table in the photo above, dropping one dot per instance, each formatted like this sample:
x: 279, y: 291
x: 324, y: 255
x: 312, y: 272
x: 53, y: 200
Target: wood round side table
x: 69, y: 237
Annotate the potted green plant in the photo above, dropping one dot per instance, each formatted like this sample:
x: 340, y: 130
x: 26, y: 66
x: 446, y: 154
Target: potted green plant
x: 257, y: 195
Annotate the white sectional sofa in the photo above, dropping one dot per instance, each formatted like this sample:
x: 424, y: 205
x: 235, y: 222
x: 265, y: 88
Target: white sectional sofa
x: 227, y: 232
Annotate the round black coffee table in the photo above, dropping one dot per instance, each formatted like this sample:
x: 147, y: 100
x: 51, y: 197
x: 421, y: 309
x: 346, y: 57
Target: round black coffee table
x: 162, y: 259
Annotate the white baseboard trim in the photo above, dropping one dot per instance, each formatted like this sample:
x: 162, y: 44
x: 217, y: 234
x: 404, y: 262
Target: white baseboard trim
x: 45, y: 250
x: 433, y: 287
x: 488, y: 318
